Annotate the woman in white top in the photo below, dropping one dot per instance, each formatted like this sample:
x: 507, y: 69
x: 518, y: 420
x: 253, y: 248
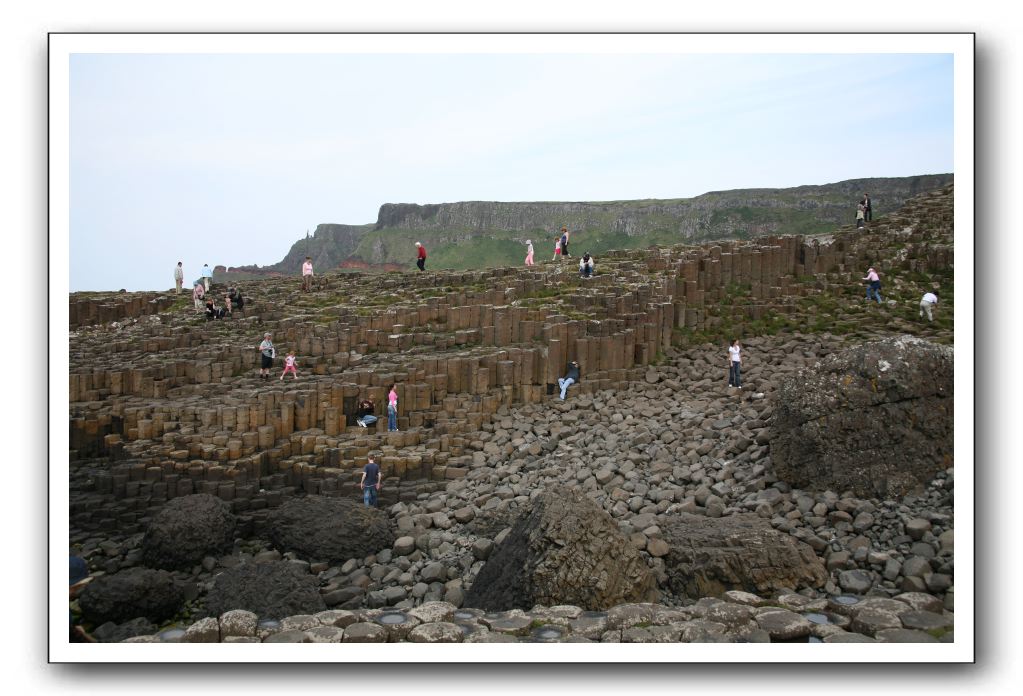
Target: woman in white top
x: 529, y: 252
x: 734, y: 363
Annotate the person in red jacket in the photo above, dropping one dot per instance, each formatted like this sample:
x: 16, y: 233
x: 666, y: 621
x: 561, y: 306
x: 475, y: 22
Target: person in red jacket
x: 421, y: 260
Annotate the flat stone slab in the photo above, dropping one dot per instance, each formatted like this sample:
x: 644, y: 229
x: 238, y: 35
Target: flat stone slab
x: 437, y: 632
x: 365, y: 633
x: 783, y: 624
x: 904, y: 635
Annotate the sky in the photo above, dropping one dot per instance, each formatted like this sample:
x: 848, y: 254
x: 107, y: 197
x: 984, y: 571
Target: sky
x: 229, y: 159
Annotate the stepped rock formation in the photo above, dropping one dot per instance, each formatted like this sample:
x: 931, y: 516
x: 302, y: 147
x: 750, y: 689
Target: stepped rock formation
x: 566, y: 550
x: 875, y: 419
x: 708, y: 557
x: 467, y: 234
x: 186, y: 530
x: 329, y: 529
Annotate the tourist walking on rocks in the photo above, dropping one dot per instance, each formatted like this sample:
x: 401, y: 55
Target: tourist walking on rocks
x: 392, y: 409
x: 874, y: 284
x: 307, y: 274
x: 290, y: 365
x: 529, y: 252
x: 586, y: 266
x: 267, y: 353
x: 179, y: 277
x: 207, y: 276
x: 197, y: 295
x: 564, y: 242
x: 364, y: 415
x: 860, y: 213
x: 370, y: 483
x: 571, y: 377
x: 735, y: 364
x: 421, y: 256
x: 868, y: 213
x: 927, y: 304
x: 557, y: 250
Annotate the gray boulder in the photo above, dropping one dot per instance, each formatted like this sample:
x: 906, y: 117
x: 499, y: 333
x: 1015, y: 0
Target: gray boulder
x: 709, y: 557
x: 875, y: 419
x: 272, y: 590
x: 566, y: 550
x: 329, y: 529
x: 130, y: 594
x: 186, y: 530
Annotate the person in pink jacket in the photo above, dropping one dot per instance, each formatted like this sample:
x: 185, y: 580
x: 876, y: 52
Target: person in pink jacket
x: 874, y: 284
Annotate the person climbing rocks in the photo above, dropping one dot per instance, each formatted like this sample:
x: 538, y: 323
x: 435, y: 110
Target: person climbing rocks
x: 586, y: 265
x: 364, y: 415
x: 571, y: 377
x: 735, y: 364
x: 392, y: 409
x: 267, y: 354
x: 370, y: 482
x: 207, y: 276
x: 529, y: 252
x: 564, y: 242
x: 867, y: 212
x: 179, y: 277
x: 307, y: 274
x: 197, y: 295
x: 290, y: 365
x: 874, y: 284
x: 420, y: 256
x: 927, y: 303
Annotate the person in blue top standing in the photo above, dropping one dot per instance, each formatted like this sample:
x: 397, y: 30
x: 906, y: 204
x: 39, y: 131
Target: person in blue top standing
x: 370, y: 483
x: 207, y: 276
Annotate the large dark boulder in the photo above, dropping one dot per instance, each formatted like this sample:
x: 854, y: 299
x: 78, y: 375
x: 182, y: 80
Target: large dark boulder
x: 130, y: 594
x: 875, y: 419
x: 566, y: 550
x: 710, y: 556
x: 186, y: 530
x: 329, y: 529
x: 271, y: 590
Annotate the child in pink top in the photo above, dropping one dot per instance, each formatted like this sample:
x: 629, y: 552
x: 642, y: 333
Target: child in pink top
x: 557, y: 250
x: 290, y: 365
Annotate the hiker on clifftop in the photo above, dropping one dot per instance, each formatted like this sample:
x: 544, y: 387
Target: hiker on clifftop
x: 307, y: 274
x: 267, y: 353
x: 874, y: 284
x: 421, y: 256
x: 529, y: 252
x: 571, y: 377
x: 179, y: 277
x: 207, y: 276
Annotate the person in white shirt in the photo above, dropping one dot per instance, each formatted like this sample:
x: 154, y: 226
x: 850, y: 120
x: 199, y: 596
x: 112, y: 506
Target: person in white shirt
x: 207, y: 276
x: 307, y: 274
x: 179, y: 277
x: 734, y: 364
x: 927, y: 304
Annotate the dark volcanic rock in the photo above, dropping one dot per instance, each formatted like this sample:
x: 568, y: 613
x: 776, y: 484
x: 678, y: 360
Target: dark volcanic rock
x: 565, y: 551
x: 186, y: 530
x: 875, y: 419
x: 709, y: 557
x: 329, y: 529
x: 113, y: 633
x: 130, y: 594
x: 272, y: 590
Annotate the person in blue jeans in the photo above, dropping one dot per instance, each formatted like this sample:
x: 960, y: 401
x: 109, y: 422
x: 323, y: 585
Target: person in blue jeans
x: 370, y: 483
x: 874, y: 284
x: 392, y: 409
x: 570, y: 378
x: 735, y: 364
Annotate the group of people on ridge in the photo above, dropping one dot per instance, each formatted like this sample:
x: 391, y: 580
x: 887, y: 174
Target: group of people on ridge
x: 561, y: 250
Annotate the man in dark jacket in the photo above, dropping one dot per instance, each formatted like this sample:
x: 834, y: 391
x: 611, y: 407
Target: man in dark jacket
x: 571, y: 377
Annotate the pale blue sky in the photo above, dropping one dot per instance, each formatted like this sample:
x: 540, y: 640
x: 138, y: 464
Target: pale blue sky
x: 228, y: 159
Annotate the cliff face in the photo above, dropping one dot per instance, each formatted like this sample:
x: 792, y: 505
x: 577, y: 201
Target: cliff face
x: 479, y: 234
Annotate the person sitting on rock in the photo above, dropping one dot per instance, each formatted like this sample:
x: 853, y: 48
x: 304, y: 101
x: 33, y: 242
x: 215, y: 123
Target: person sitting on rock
x: 197, y: 294
x: 236, y: 299
x: 212, y: 312
x: 571, y: 377
x: 364, y: 415
x: 586, y: 266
